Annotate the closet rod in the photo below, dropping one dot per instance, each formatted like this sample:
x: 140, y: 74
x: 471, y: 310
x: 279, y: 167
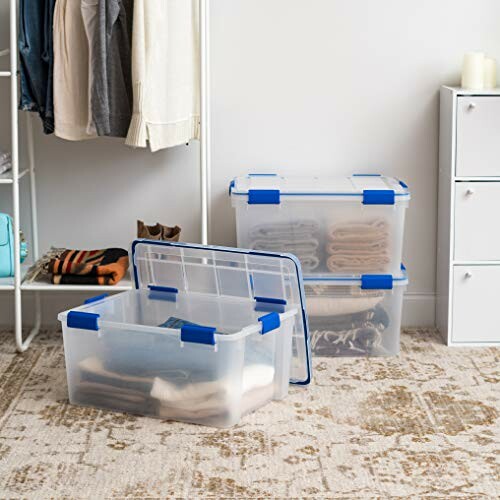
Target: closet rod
x: 205, y: 125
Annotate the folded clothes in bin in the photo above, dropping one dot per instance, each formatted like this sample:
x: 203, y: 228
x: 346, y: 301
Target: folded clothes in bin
x: 352, y: 316
x: 296, y: 237
x: 209, y: 335
x: 350, y: 334
x: 358, y: 247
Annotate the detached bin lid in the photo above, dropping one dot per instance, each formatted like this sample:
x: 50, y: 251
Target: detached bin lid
x: 369, y: 189
x: 274, y: 281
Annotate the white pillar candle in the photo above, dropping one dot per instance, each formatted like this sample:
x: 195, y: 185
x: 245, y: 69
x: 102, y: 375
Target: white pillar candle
x: 490, y: 73
x: 473, y: 71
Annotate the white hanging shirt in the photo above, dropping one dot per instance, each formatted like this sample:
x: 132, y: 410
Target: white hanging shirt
x: 165, y: 73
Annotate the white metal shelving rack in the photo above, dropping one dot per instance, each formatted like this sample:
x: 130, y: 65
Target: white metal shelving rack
x: 14, y: 177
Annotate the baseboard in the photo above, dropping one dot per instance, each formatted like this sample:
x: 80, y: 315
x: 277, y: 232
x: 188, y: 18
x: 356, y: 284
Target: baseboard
x: 418, y: 308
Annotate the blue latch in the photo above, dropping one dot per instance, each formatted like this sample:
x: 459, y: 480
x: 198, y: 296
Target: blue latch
x: 231, y: 185
x: 378, y: 197
x: 163, y: 293
x: 403, y: 184
x: 96, y: 299
x: 377, y: 282
x: 270, y: 322
x: 196, y: 334
x: 268, y: 304
x: 83, y: 320
x: 263, y: 196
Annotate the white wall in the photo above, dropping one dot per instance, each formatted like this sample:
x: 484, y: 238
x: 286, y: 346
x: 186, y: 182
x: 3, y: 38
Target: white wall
x: 319, y: 86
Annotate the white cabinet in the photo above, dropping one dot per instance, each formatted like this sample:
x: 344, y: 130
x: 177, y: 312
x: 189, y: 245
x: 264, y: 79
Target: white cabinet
x: 468, y: 257
x: 477, y: 229
x: 478, y: 133
x: 476, y: 299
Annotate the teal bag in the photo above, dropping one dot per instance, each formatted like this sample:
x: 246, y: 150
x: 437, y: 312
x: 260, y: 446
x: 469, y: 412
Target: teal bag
x: 6, y: 246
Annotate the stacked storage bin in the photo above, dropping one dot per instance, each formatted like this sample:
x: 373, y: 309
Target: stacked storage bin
x: 348, y: 235
x: 209, y: 334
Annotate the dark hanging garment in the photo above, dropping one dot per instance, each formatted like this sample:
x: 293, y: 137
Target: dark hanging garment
x: 36, y: 59
x: 108, y: 24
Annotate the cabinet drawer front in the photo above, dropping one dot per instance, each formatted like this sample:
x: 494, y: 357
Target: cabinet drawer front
x: 477, y: 228
x: 476, y: 299
x: 478, y: 132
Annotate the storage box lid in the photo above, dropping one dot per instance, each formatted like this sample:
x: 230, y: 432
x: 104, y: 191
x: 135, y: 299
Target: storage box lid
x: 369, y: 189
x: 365, y: 281
x: 273, y: 281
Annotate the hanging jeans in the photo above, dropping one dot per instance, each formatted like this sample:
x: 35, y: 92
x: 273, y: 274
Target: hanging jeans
x: 36, y: 59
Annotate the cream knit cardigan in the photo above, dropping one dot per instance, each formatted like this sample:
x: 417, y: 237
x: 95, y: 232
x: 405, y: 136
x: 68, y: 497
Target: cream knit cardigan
x: 165, y: 73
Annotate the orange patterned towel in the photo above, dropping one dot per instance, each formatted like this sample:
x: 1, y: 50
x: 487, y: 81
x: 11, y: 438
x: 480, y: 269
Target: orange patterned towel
x: 89, y: 267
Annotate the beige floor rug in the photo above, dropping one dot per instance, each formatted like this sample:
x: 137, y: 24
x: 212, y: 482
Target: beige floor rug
x: 423, y: 424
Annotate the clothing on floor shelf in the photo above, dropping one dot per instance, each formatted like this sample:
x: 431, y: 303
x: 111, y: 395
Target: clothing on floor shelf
x: 297, y: 237
x: 5, y: 162
x: 81, y: 267
x: 358, y: 247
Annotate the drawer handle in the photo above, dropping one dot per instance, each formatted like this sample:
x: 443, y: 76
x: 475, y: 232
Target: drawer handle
x: 469, y: 192
x: 472, y: 106
x: 468, y: 275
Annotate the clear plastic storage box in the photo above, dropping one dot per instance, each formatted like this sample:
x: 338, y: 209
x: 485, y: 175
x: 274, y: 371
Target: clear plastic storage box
x: 343, y: 226
x: 209, y: 335
x: 355, y: 316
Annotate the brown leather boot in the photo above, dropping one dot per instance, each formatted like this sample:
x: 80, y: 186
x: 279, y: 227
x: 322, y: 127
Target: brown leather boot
x: 158, y: 232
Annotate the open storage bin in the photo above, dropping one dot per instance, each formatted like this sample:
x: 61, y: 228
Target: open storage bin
x: 356, y: 316
x: 209, y: 335
x: 344, y: 226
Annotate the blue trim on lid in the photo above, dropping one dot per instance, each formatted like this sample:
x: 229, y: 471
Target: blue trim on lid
x: 377, y: 282
x: 286, y: 195
x: 83, y: 320
x: 267, y: 304
x: 263, y: 196
x: 403, y: 184
x: 378, y: 197
x: 96, y: 299
x: 366, y: 175
x: 271, y: 300
x: 167, y: 293
x: 196, y: 334
x: 270, y: 322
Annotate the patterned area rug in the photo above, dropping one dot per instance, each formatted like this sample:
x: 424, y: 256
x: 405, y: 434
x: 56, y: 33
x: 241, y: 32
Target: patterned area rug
x: 423, y: 424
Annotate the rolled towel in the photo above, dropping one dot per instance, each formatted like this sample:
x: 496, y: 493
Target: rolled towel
x: 373, y: 230
x: 353, y: 264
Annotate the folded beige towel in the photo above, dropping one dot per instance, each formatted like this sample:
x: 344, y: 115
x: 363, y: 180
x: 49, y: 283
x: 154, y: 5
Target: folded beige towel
x: 358, y: 247
x: 372, y: 230
x: 353, y: 264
